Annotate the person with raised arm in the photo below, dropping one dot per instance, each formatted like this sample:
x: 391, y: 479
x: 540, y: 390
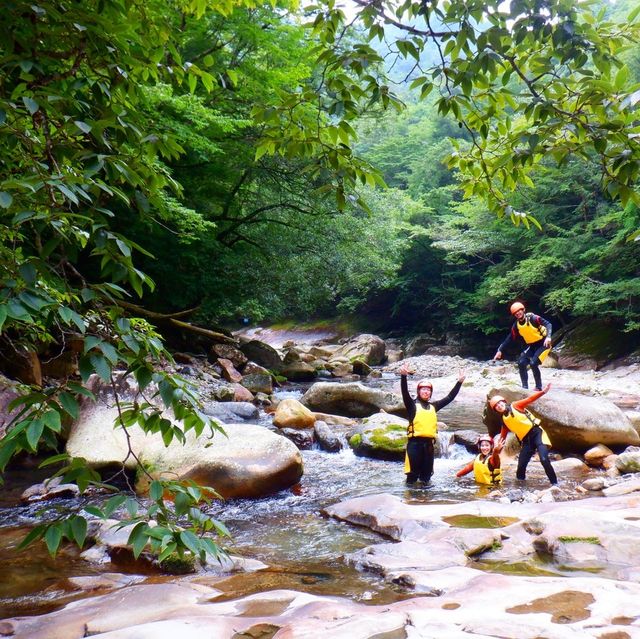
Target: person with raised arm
x: 423, y: 424
x: 526, y: 427
x: 486, y: 464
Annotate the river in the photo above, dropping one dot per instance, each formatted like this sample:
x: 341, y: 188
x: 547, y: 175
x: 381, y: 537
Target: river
x: 303, y: 548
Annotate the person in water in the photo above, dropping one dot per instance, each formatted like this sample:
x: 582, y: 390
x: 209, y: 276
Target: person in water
x: 535, y: 332
x: 423, y: 425
x: 526, y: 427
x: 486, y: 465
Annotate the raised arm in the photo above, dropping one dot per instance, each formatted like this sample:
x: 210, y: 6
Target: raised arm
x: 409, y: 403
x: 494, y: 460
x: 523, y: 403
x: 441, y: 403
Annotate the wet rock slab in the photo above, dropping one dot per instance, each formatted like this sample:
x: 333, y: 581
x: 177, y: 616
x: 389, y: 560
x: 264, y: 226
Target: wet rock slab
x: 486, y: 605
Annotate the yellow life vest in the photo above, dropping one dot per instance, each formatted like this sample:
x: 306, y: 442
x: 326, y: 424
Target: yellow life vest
x: 520, y: 423
x: 424, y: 424
x: 530, y: 333
x: 483, y: 474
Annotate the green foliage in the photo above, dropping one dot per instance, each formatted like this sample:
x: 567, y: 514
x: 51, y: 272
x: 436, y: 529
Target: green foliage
x: 76, y: 155
x: 526, y: 82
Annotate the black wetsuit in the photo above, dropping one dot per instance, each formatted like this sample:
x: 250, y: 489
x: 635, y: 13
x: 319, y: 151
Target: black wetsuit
x: 420, y: 449
x: 530, y: 356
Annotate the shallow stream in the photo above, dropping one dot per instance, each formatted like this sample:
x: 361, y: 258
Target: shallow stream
x: 287, y: 531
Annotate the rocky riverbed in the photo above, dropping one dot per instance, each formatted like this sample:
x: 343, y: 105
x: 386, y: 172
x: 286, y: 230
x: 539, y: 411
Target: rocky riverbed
x: 523, y: 561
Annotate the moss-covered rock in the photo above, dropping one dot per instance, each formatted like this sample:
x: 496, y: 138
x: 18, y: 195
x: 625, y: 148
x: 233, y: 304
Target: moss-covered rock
x: 381, y: 436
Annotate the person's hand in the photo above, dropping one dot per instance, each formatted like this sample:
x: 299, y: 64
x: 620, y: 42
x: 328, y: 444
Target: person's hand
x: 545, y: 390
x: 498, y: 355
x: 461, y: 375
x: 405, y: 369
x: 498, y: 445
x: 547, y: 342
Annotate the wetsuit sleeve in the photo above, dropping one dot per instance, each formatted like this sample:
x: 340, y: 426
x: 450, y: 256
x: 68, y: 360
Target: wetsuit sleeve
x: 441, y: 403
x: 544, y: 322
x: 523, y: 403
x: 466, y: 470
x: 504, y: 431
x: 494, y: 460
x: 511, y: 337
x: 409, y: 403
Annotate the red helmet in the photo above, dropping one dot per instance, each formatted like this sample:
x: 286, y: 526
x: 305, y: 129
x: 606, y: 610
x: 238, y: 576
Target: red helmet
x: 484, y: 438
x: 515, y: 307
x: 495, y: 399
x: 424, y: 383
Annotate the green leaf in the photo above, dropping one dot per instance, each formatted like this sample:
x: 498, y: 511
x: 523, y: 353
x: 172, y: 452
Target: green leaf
x: 79, y: 530
x: 70, y: 404
x: 182, y: 504
x: 190, y: 541
x: 156, y: 490
x: 138, y: 538
x: 52, y: 420
x: 32, y: 105
x: 101, y: 366
x: 34, y: 432
x: 3, y: 315
x: 5, y: 199
x: 52, y: 538
x: 83, y: 126
x: 34, y: 534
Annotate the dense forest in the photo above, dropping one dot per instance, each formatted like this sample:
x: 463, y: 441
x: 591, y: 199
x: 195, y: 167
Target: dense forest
x: 421, y: 163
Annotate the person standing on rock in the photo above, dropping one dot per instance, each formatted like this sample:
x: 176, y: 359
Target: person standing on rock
x: 535, y: 332
x: 423, y: 425
x: 486, y: 465
x: 526, y: 427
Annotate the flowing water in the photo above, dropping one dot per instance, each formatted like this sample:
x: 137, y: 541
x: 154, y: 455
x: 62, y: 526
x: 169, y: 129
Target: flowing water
x: 287, y: 531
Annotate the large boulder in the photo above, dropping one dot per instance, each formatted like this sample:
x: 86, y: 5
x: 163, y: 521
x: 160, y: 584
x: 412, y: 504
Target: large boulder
x: 574, y: 422
x: 250, y: 461
x: 262, y: 353
x: 368, y: 348
x: 381, y: 436
x: 351, y: 400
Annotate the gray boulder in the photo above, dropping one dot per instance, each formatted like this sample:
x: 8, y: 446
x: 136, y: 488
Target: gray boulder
x: 262, y: 353
x: 230, y: 412
x: 351, y: 400
x: 250, y: 461
x: 381, y: 436
x: 326, y: 438
x: 629, y: 460
x: 368, y: 348
x: 573, y: 422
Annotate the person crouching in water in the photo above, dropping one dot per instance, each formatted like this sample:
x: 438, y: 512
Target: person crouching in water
x: 486, y: 466
x: 423, y: 425
x: 526, y: 427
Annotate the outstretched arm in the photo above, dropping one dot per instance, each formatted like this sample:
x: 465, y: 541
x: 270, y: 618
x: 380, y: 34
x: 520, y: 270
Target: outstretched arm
x: 523, y: 403
x: 466, y: 470
x: 441, y: 403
